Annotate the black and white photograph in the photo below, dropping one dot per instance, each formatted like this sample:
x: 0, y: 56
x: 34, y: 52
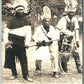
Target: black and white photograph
x: 42, y: 42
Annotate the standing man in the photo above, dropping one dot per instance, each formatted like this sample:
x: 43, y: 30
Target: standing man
x: 17, y: 36
x: 69, y: 40
x: 47, y: 46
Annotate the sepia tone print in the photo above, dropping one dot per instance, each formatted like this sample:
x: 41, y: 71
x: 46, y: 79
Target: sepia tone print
x: 42, y: 42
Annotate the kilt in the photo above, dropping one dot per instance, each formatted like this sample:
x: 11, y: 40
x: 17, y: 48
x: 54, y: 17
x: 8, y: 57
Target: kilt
x: 42, y: 53
x: 18, y: 49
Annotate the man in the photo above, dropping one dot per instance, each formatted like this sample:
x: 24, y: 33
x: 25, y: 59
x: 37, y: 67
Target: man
x: 47, y: 47
x: 17, y: 36
x: 69, y: 38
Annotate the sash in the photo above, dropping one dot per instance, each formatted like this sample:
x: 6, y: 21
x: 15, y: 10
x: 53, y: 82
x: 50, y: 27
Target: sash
x: 46, y: 35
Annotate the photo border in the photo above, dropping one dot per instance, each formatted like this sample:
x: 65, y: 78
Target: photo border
x: 83, y: 42
x: 1, y: 38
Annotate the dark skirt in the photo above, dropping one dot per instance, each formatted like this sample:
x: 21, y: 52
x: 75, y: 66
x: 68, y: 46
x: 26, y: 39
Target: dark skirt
x: 18, y: 49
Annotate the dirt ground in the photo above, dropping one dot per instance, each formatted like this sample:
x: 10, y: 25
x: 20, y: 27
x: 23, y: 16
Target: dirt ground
x: 46, y: 77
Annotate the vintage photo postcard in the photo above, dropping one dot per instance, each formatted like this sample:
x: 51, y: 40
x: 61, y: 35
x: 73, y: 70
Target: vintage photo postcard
x: 42, y: 42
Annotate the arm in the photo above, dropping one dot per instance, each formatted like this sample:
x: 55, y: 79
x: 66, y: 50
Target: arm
x: 77, y: 34
x: 58, y: 33
x: 54, y: 35
x: 28, y: 36
x: 36, y: 34
x: 77, y: 37
x: 76, y: 31
x: 5, y: 35
x: 59, y: 27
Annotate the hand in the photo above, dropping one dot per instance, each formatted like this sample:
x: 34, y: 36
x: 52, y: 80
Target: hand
x: 77, y: 43
x: 8, y: 45
x: 50, y: 42
x: 10, y: 42
x: 43, y: 43
x: 38, y: 43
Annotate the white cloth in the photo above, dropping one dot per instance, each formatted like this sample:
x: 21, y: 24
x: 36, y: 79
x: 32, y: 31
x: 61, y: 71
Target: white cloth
x: 43, y: 52
x: 23, y: 31
x: 40, y: 36
x: 47, y: 52
x: 54, y: 56
x: 62, y: 26
x: 5, y: 35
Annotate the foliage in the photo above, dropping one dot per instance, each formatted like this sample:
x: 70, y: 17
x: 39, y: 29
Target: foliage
x: 56, y: 6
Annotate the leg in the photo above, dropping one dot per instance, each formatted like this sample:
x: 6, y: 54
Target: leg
x: 54, y: 58
x: 10, y: 62
x: 64, y: 66
x: 23, y: 62
x: 13, y: 69
x: 38, y: 67
x: 14, y: 74
x: 77, y: 61
x: 24, y: 66
x: 64, y: 63
x: 38, y: 64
